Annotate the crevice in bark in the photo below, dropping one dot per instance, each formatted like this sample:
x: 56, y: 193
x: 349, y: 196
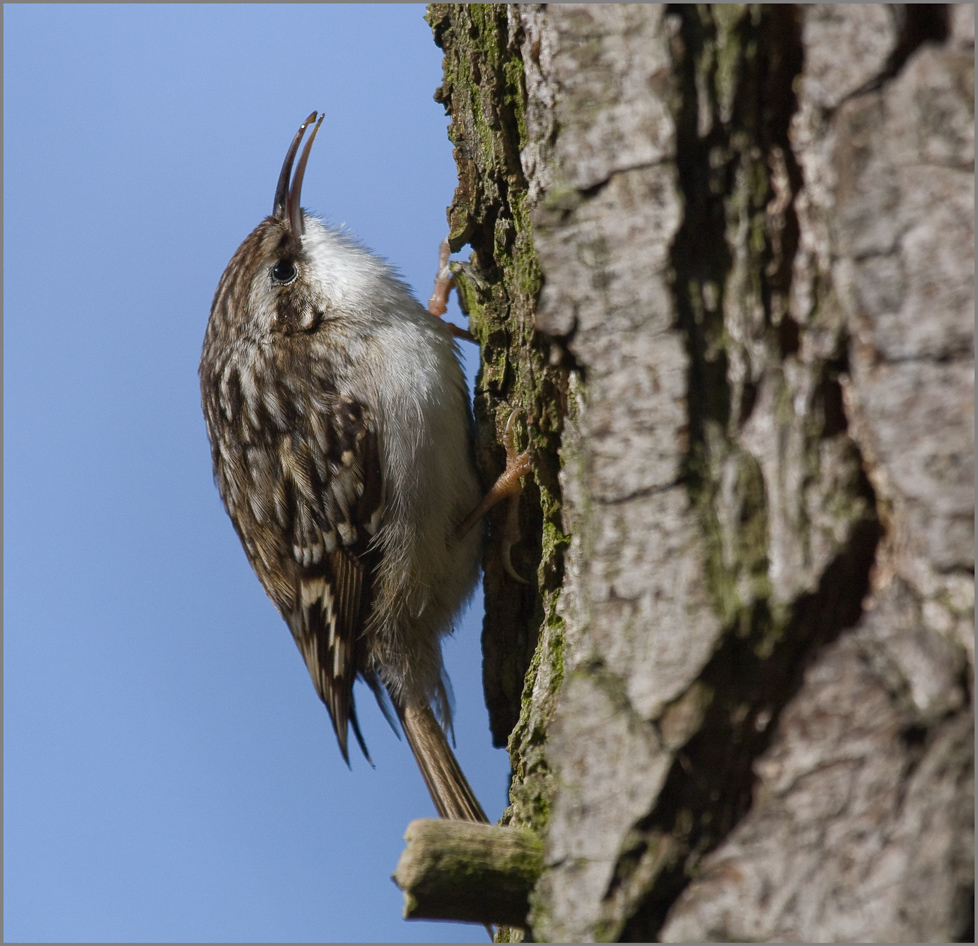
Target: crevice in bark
x: 790, y: 527
x: 917, y: 23
x: 968, y: 934
x: 726, y: 115
x: 709, y: 788
x: 779, y: 36
x: 921, y: 23
x: 475, y: 41
x: 484, y: 93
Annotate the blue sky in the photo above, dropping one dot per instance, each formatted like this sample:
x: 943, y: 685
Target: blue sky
x: 169, y: 773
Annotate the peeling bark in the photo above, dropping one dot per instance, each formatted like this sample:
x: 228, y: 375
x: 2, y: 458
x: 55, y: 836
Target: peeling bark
x: 722, y: 258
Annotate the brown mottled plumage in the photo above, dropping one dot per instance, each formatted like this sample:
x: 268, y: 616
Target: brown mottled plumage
x: 340, y: 432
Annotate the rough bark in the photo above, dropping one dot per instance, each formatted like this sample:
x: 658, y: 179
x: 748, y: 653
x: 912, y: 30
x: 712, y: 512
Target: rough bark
x: 722, y: 258
x: 462, y: 870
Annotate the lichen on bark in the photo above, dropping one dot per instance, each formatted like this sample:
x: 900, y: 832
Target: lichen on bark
x: 483, y: 92
x: 722, y: 256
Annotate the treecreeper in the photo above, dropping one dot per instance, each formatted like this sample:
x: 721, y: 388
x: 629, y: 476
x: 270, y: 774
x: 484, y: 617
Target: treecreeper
x: 341, y: 437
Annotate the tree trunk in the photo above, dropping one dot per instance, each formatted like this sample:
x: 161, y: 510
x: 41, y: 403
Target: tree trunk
x: 722, y: 262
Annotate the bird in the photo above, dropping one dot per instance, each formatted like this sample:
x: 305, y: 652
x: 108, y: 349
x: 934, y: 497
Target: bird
x: 341, y: 437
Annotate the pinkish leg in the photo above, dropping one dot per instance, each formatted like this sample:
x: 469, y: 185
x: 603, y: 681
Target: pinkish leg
x: 444, y: 282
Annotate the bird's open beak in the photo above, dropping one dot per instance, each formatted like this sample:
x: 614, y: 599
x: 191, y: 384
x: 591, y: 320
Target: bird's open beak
x: 287, y: 198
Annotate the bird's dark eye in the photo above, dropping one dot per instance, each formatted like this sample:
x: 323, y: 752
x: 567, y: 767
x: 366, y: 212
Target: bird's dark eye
x: 283, y: 272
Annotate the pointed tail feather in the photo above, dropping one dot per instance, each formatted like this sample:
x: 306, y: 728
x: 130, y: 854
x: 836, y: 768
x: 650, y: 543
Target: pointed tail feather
x: 447, y: 785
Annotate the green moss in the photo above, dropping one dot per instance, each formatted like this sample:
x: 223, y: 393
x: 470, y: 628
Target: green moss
x: 531, y: 789
x: 483, y: 91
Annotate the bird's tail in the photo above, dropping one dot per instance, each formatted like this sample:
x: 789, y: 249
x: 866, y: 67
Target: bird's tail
x: 447, y: 785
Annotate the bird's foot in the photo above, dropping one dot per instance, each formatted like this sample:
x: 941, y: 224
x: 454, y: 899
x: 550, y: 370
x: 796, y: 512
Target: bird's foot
x: 444, y: 283
x: 508, y: 487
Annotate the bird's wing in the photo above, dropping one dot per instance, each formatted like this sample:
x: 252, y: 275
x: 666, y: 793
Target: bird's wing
x: 310, y: 542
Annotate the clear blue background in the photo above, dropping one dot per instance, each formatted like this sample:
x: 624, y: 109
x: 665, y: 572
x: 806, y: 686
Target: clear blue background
x: 169, y: 773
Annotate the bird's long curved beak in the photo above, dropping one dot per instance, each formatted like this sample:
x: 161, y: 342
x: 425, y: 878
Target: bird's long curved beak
x: 287, y: 207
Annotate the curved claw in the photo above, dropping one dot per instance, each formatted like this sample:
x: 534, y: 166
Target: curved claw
x: 507, y: 486
x: 511, y: 535
x: 444, y: 283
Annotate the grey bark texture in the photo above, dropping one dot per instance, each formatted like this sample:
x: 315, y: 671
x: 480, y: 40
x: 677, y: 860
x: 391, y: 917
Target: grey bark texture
x: 723, y: 261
